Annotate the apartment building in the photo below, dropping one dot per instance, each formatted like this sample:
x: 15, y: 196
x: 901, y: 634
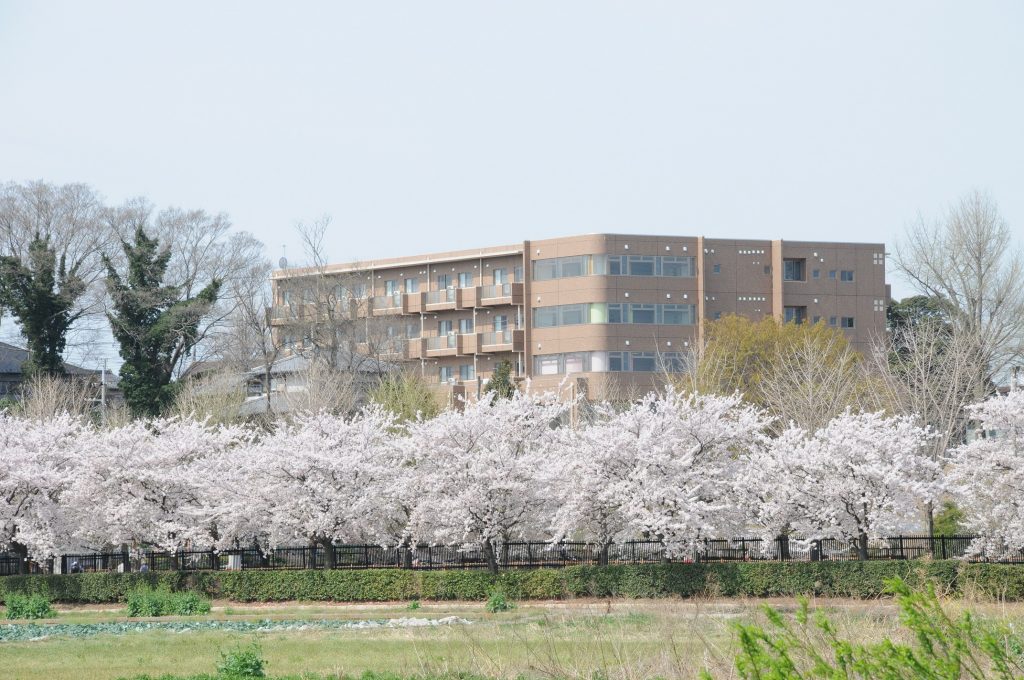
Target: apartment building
x: 614, y: 311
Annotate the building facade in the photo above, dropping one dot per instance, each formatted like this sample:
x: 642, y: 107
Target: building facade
x: 613, y: 311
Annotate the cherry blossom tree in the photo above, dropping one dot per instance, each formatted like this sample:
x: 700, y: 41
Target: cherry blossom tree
x: 860, y: 476
x: 987, y: 476
x: 36, y: 468
x: 139, y: 485
x: 479, y: 470
x: 312, y: 480
x: 685, y: 452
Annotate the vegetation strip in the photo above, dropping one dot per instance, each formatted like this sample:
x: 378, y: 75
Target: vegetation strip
x: 34, y: 631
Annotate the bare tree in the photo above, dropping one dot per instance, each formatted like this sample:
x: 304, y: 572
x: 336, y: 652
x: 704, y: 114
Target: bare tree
x: 968, y: 259
x: 318, y: 386
x: 44, y: 397
x: 929, y: 369
x: 216, y: 397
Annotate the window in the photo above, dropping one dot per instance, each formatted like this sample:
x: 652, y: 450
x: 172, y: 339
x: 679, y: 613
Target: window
x: 576, y: 362
x: 879, y: 305
x: 572, y: 315
x: 846, y: 276
x: 793, y: 269
x: 618, y: 361
x: 444, y: 327
x: 286, y: 297
x: 391, y: 287
x: 677, y: 266
x: 677, y: 315
x: 359, y: 290
x: 467, y: 372
x: 617, y: 265
x: 465, y: 279
x: 641, y: 265
x: 465, y: 326
x: 518, y: 272
x: 500, y: 322
x: 412, y: 285
x: 795, y: 315
x: 444, y: 281
x: 546, y: 364
x: 718, y: 315
x: 831, y: 321
x: 545, y: 270
x: 545, y: 317
x: 642, y: 313
x: 832, y: 274
x: 847, y: 322
x: 444, y: 374
x: 816, y: 319
x: 499, y: 276
x: 816, y: 274
x: 643, y: 361
x: 617, y: 313
x: 716, y: 269
x: 572, y: 266
x: 412, y: 330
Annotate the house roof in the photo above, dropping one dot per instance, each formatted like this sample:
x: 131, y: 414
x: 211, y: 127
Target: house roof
x: 12, y: 357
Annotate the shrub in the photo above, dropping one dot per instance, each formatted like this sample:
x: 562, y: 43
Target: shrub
x: 415, y: 604
x: 163, y: 602
x: 808, y: 645
x: 242, y: 663
x: 497, y: 602
x: 29, y: 607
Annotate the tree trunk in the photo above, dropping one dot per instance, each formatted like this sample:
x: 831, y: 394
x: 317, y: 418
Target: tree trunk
x: 21, y: 552
x: 862, y: 546
x: 603, y: 559
x: 492, y: 560
x: 329, y: 559
x: 406, y: 550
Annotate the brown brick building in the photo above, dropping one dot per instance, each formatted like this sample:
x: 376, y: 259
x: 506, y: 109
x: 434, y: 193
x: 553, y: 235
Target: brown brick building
x: 618, y: 310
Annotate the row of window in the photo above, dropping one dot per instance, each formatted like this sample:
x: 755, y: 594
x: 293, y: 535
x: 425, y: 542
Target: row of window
x: 796, y: 270
x: 609, y: 362
x: 447, y: 373
x: 447, y: 326
x: 499, y: 276
x: 798, y: 315
x: 613, y: 265
x: 602, y: 312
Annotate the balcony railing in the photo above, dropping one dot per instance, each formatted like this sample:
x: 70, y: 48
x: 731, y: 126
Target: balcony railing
x: 496, y: 338
x: 437, y: 297
x: 496, y: 291
x: 442, y: 342
x: 393, y: 301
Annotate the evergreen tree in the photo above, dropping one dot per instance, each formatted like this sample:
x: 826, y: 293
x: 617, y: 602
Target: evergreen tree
x: 154, y: 326
x: 41, y: 294
x: 501, y: 381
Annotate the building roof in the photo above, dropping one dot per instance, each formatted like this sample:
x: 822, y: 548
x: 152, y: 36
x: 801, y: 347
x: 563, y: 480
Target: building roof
x: 294, y: 363
x: 12, y: 357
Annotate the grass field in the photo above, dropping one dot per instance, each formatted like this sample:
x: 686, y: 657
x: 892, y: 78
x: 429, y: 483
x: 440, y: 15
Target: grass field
x: 578, y: 639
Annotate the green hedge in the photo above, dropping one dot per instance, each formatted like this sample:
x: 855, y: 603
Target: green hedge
x: 754, y: 579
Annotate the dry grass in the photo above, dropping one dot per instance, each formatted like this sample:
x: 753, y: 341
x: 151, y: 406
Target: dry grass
x: 620, y: 639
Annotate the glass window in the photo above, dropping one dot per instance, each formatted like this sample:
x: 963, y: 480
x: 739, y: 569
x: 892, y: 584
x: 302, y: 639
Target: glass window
x: 572, y: 266
x: 831, y: 321
x: 641, y: 265
x: 616, y: 265
x: 465, y: 279
x: 359, y: 290
x: 642, y: 313
x: 500, y: 322
x: 643, y: 361
x: 793, y: 270
x: 615, y: 313
x: 847, y: 322
x: 617, y: 361
x: 599, y: 265
x: 444, y: 373
x: 518, y: 272
x: 795, y: 315
x: 677, y: 266
x: 390, y: 287
x: 466, y: 372
x: 465, y: 326
x: 412, y: 330
x: 677, y: 315
x: 576, y: 362
x: 716, y: 269
x: 499, y: 276
x: 545, y: 317
x: 573, y: 314
x: 832, y: 274
x: 412, y: 285
x: 546, y: 364
x: 444, y: 327
x: 816, y: 274
x: 846, y: 275
x: 444, y: 281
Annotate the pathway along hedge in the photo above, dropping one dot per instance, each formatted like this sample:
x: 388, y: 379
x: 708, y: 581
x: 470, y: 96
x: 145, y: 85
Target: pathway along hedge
x: 828, y: 579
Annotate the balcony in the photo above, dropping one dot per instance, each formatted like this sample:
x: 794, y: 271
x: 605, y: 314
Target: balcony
x: 502, y: 341
x: 386, y: 304
x: 438, y: 300
x: 441, y: 345
x: 501, y: 294
x: 417, y: 348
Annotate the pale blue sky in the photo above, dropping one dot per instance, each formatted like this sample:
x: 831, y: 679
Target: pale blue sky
x: 419, y: 125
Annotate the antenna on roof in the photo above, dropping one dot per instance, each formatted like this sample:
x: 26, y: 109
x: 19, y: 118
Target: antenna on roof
x: 283, y: 262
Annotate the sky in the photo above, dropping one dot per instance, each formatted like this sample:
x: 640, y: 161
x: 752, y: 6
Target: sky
x: 422, y: 127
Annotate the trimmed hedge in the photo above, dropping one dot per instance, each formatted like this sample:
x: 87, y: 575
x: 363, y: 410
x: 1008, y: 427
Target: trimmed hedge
x: 753, y: 579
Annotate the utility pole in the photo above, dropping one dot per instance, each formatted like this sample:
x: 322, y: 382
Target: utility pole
x: 103, y: 394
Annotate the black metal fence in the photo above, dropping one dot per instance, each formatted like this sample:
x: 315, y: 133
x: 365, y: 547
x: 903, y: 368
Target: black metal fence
x: 513, y: 555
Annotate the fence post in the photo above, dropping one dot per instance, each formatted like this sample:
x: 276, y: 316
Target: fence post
x: 366, y: 556
x: 126, y: 564
x: 942, y: 544
x: 816, y: 550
